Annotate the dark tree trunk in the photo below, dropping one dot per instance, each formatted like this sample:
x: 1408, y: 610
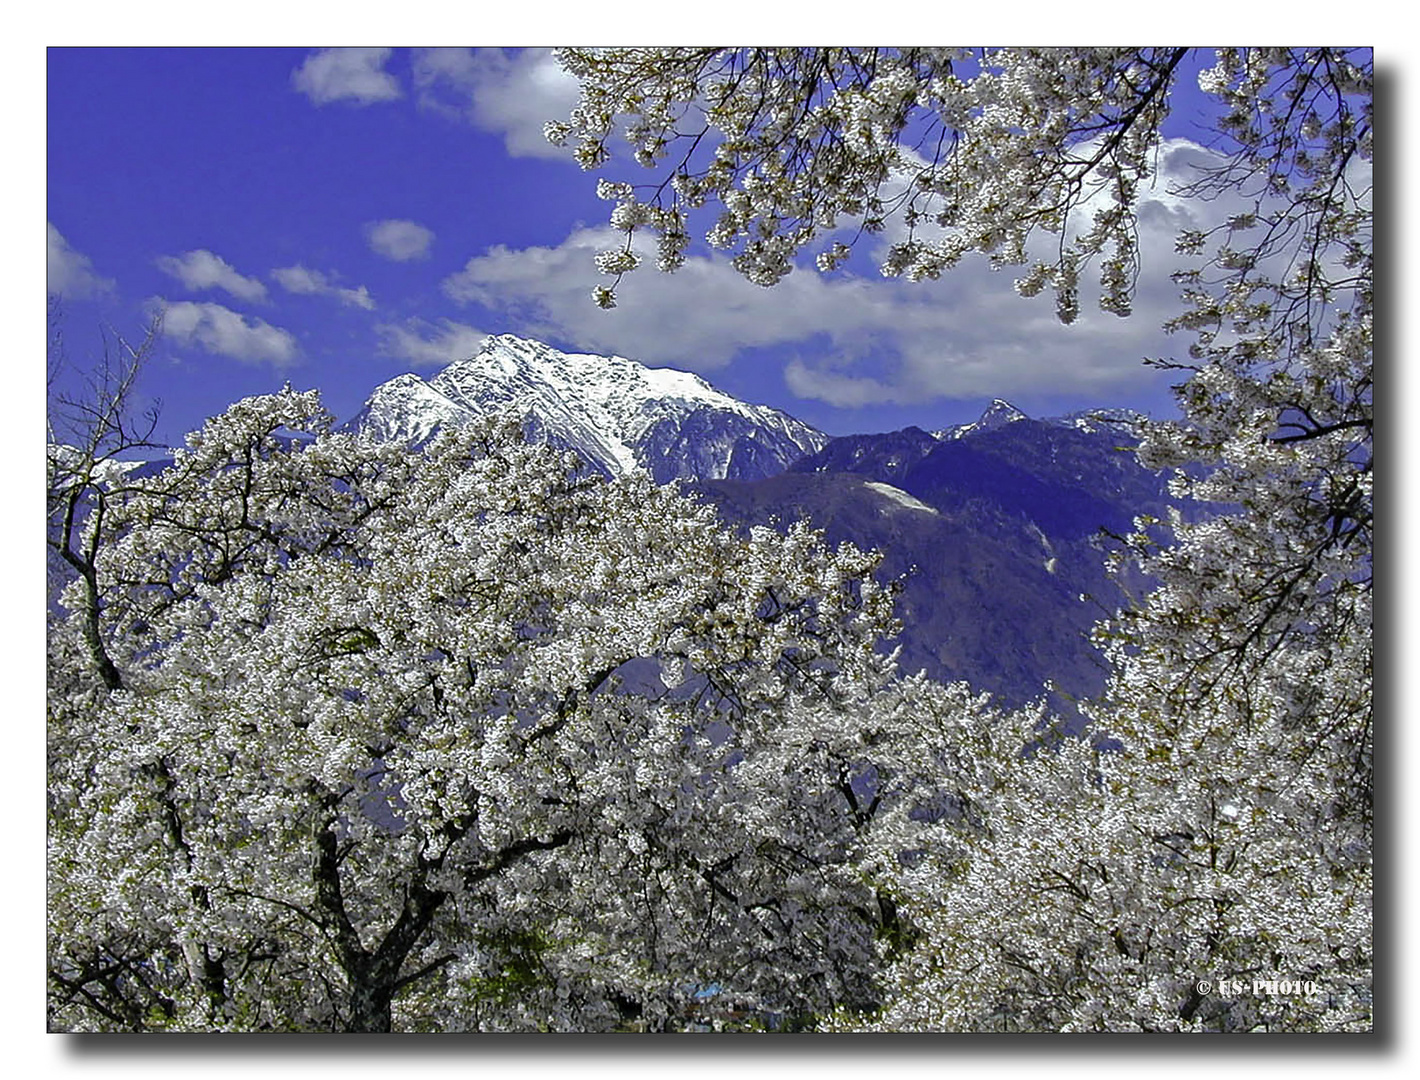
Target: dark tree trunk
x: 370, y: 1000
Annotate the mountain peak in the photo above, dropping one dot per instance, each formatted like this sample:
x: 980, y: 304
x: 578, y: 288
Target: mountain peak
x: 999, y: 413
x: 619, y: 414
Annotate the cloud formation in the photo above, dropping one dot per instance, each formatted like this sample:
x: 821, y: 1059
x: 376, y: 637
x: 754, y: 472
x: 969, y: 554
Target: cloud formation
x: 701, y: 317
x: 201, y: 269
x: 223, y: 332
x: 399, y: 239
x: 353, y: 75
x: 426, y: 344
x: 305, y: 282
x: 68, y: 273
x: 505, y: 91
x: 861, y: 339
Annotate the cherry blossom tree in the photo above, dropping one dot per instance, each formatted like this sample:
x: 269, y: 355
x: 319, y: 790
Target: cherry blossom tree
x: 91, y: 434
x: 808, y: 149
x: 1196, y: 873
x: 1224, y: 839
x: 345, y: 737
x: 1203, y: 860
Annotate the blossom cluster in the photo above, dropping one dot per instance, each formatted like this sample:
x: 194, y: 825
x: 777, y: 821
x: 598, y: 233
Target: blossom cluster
x: 793, y: 143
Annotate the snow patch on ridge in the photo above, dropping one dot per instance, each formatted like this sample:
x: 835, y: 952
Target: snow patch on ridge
x: 897, y: 495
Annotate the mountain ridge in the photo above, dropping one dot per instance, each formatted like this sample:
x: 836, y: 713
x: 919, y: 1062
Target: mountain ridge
x: 620, y: 415
x: 996, y: 538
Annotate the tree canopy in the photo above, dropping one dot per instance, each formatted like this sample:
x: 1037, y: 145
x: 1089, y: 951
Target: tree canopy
x: 451, y: 740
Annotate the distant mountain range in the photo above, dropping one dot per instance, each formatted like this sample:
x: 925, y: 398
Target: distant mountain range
x: 997, y: 536
x: 993, y: 528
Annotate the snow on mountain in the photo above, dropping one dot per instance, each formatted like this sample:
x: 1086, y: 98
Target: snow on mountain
x: 1001, y: 412
x: 408, y: 408
x: 618, y: 414
x: 899, y: 496
x: 109, y: 471
x: 1091, y: 420
x: 997, y: 414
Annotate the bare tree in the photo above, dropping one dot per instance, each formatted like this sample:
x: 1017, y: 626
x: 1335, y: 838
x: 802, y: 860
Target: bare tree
x: 89, y: 432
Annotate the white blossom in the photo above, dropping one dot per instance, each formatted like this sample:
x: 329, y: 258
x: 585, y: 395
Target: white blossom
x: 452, y: 740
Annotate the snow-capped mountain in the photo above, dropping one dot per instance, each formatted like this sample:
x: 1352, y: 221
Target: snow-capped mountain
x: 618, y: 414
x: 997, y: 414
x: 1000, y: 413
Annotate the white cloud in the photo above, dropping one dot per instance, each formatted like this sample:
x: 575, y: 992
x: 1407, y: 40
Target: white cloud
x: 511, y: 92
x: 861, y: 340
x: 305, y: 282
x: 845, y: 391
x: 68, y: 273
x: 224, y: 332
x: 398, y: 239
x: 701, y: 317
x: 201, y: 269
x: 355, y: 75
x: 429, y: 345
x: 444, y: 78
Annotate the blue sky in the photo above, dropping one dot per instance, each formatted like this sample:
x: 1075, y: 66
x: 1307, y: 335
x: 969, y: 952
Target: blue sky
x: 337, y: 217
